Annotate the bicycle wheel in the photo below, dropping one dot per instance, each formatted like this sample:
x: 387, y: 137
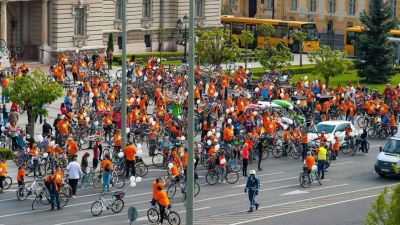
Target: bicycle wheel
x: 277, y: 152
x: 173, y: 218
x: 304, y: 180
x: 171, y: 191
x: 117, y: 206
x: 361, y: 121
x: 345, y: 149
x: 36, y: 203
x: 22, y: 194
x: 236, y: 165
x: 212, y: 177
x: 196, y: 189
x: 45, y: 198
x: 141, y: 169
x: 42, y: 171
x: 63, y: 199
x: 7, y: 183
x: 296, y: 152
x: 158, y: 160
x: 97, y: 182
x: 120, y: 170
x: 118, y: 182
x: 153, y: 215
x: 232, y: 177
x: 97, y: 208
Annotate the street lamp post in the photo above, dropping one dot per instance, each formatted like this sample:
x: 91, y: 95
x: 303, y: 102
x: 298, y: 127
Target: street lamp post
x: 182, y: 24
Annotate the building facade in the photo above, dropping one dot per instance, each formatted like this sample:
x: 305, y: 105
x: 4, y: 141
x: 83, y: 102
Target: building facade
x: 38, y: 29
x: 343, y: 13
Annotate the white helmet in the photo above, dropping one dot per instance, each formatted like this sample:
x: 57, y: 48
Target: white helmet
x: 252, y: 172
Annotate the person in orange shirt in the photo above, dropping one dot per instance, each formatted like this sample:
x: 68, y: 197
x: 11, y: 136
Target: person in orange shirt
x: 336, y: 147
x: 3, y: 172
x: 63, y: 126
x: 228, y: 133
x: 286, y: 141
x: 270, y: 126
x: 130, y: 157
x: 351, y: 112
x: 117, y: 140
x: 159, y: 182
x: 309, y: 162
x: 392, y: 123
x: 106, y: 169
x: 304, y: 143
x: 383, y: 109
x: 21, y: 177
x: 163, y: 202
x: 72, y: 148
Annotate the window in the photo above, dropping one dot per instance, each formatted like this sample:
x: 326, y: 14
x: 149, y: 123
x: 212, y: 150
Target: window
x: 199, y: 7
x: 146, y: 9
x: 352, y: 7
x: 147, y: 40
x: 237, y: 28
x: 293, y: 5
x: 332, y: 6
x: 80, y: 22
x: 270, y: 4
x: 232, y: 2
x: 393, y: 7
x: 280, y: 31
x: 352, y: 37
x: 313, y: 5
x: 118, y: 10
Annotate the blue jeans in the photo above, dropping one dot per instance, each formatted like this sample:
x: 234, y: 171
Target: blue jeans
x: 106, y: 181
x: 321, y: 171
x: 252, y: 198
x: 55, y: 199
x: 5, y: 121
x: 4, y: 98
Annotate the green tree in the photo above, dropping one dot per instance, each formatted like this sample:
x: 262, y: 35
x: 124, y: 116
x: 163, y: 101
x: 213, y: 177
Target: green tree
x: 299, y: 37
x: 329, y: 63
x: 376, y: 56
x: 385, y: 209
x: 215, y: 47
x: 274, y: 57
x: 33, y: 92
x: 162, y: 35
x: 248, y: 39
x: 110, y: 43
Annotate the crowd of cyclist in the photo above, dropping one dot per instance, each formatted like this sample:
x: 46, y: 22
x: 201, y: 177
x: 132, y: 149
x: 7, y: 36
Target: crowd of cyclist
x: 229, y: 135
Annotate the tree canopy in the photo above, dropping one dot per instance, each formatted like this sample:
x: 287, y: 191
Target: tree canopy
x: 375, y: 54
x: 274, y: 57
x: 329, y: 63
x: 33, y: 92
x: 385, y: 209
x: 215, y: 47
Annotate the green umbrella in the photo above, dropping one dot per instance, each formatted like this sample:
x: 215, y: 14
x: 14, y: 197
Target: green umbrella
x: 282, y: 103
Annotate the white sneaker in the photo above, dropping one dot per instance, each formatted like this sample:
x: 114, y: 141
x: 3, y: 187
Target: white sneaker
x: 366, y: 154
x: 73, y: 196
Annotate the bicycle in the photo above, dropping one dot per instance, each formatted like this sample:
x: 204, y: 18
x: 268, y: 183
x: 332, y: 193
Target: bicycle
x: 24, y: 191
x: 172, y: 217
x: 116, y: 180
x: 43, y: 195
x: 306, y: 178
x: 116, y: 204
x: 182, y: 185
x: 214, y: 175
x: 87, y: 178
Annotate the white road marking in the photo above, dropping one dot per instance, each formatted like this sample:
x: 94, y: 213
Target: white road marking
x: 328, y: 187
x: 301, y: 210
x: 348, y: 162
x: 296, y: 192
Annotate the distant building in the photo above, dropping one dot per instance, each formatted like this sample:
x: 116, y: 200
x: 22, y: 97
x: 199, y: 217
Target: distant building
x: 46, y: 27
x: 343, y: 13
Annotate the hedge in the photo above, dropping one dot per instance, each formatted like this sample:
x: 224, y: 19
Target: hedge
x: 145, y: 55
x: 7, y: 153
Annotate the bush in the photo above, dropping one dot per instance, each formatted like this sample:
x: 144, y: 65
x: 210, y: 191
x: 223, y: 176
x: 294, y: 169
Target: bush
x: 7, y: 153
x: 144, y: 56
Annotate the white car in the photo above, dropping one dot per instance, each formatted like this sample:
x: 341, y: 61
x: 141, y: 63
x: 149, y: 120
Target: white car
x: 331, y: 128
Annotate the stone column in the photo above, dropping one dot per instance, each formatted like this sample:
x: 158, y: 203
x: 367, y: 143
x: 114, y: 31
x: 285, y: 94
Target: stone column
x: 44, y: 48
x: 3, y: 25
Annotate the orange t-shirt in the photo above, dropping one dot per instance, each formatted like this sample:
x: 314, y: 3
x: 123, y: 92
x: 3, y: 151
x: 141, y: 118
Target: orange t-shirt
x: 130, y: 152
x: 310, y: 162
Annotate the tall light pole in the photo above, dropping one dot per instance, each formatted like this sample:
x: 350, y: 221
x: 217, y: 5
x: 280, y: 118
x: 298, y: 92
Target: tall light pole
x: 123, y: 81
x: 190, y: 164
x: 182, y: 25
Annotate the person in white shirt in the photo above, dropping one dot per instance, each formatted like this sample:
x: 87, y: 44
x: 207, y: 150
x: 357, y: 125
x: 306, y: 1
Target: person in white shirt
x: 74, y: 173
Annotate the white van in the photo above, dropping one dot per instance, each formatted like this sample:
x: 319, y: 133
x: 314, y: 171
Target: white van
x: 389, y: 157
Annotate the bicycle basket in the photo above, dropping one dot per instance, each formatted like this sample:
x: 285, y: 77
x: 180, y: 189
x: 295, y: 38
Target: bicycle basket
x: 119, y: 194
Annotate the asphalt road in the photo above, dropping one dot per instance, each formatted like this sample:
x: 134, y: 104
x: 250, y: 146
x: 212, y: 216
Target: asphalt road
x: 343, y: 198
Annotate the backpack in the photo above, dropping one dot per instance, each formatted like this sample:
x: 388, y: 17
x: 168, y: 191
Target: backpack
x: 107, y: 168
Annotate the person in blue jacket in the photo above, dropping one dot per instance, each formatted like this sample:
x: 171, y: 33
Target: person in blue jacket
x: 252, y: 187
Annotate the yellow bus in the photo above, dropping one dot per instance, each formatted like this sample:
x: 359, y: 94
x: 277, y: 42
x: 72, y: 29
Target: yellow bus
x: 352, y: 35
x: 283, y: 31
